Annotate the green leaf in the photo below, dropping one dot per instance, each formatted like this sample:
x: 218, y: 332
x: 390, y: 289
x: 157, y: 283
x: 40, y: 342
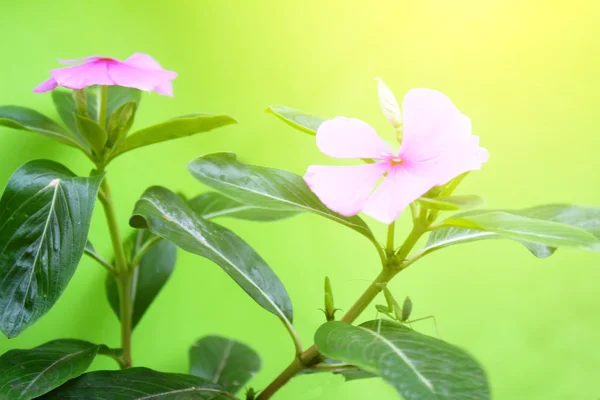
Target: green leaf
x: 266, y: 188
x: 118, y: 96
x: 120, y: 123
x: 586, y: 218
x: 138, y: 384
x: 173, y: 129
x: 452, y: 203
x: 27, y: 374
x: 167, y: 215
x: 419, y: 367
x: 66, y: 108
x: 297, y: 119
x: 93, y: 133
x: 149, y: 277
x: 26, y: 119
x: 224, y: 361
x: 45, y: 215
x: 522, y: 228
x: 214, y: 205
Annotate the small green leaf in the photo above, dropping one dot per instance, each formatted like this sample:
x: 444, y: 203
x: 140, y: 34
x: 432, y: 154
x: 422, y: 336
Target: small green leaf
x: 419, y: 367
x: 224, y: 361
x: 149, y: 277
x: 93, y: 133
x: 138, y: 384
x: 118, y: 96
x: 586, y: 218
x: 452, y: 203
x: 45, y: 215
x: 297, y: 119
x: 27, y: 374
x: 167, y: 215
x: 521, y: 228
x: 26, y: 119
x: 214, y: 205
x: 173, y: 129
x: 266, y: 188
x: 120, y: 123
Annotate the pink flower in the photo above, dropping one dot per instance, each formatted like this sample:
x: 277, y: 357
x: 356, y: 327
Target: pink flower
x: 140, y: 71
x: 437, y: 145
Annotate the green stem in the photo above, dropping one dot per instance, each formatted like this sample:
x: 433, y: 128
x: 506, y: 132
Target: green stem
x: 311, y: 355
x: 124, y: 275
x: 146, y: 247
x: 102, y: 105
x: 100, y: 260
x: 390, y: 238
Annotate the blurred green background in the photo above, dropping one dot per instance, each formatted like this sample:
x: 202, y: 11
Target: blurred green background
x: 525, y: 72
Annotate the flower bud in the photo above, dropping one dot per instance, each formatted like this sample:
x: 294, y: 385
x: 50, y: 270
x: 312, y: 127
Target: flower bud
x: 390, y: 107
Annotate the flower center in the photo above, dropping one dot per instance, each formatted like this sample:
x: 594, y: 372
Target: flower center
x: 395, y: 161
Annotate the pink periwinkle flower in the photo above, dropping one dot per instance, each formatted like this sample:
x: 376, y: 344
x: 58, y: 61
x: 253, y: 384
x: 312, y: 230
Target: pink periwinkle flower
x: 140, y: 71
x: 436, y: 146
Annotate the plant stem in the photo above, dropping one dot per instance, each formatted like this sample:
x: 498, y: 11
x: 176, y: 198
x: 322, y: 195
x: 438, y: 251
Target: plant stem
x: 123, y: 273
x: 309, y: 356
x: 143, y: 250
x: 390, y: 238
x: 102, y: 105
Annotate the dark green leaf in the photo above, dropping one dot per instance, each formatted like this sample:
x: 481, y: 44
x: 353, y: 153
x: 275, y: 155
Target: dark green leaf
x: 297, y: 119
x: 138, y: 384
x: 266, y: 188
x: 94, y: 135
x: 577, y: 218
x: 45, y: 215
x: 173, y: 129
x: 66, y: 108
x: 27, y: 374
x: 168, y: 215
x: 149, y: 277
x: 418, y: 366
x: 224, y: 361
x: 452, y: 203
x: 26, y: 119
x: 349, y: 372
x: 214, y: 205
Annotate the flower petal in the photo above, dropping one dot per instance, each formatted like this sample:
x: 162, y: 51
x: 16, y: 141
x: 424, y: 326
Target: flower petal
x: 350, y: 138
x: 344, y: 189
x: 85, y: 60
x: 399, y: 188
x: 46, y: 86
x: 130, y: 76
x: 145, y: 61
x: 437, y: 137
x: 80, y: 76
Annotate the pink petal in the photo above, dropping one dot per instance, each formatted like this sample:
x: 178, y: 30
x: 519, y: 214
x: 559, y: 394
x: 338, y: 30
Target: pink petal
x: 399, y: 188
x: 350, y: 138
x: 127, y: 75
x: 437, y: 138
x: 145, y: 61
x: 85, y: 60
x: 46, y: 86
x: 166, y: 89
x: 344, y: 189
x: 80, y: 76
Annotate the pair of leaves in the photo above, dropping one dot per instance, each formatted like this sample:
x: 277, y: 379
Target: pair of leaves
x: 419, y: 367
x: 167, y: 215
x: 541, y: 229
x: 45, y: 215
x: 223, y: 361
x: 27, y: 374
x: 152, y: 273
x: 85, y: 133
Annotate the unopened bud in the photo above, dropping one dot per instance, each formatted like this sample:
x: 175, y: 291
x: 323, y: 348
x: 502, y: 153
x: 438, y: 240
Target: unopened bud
x: 390, y: 107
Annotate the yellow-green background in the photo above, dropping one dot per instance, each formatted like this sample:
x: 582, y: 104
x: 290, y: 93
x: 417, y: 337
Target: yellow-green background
x: 526, y: 72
